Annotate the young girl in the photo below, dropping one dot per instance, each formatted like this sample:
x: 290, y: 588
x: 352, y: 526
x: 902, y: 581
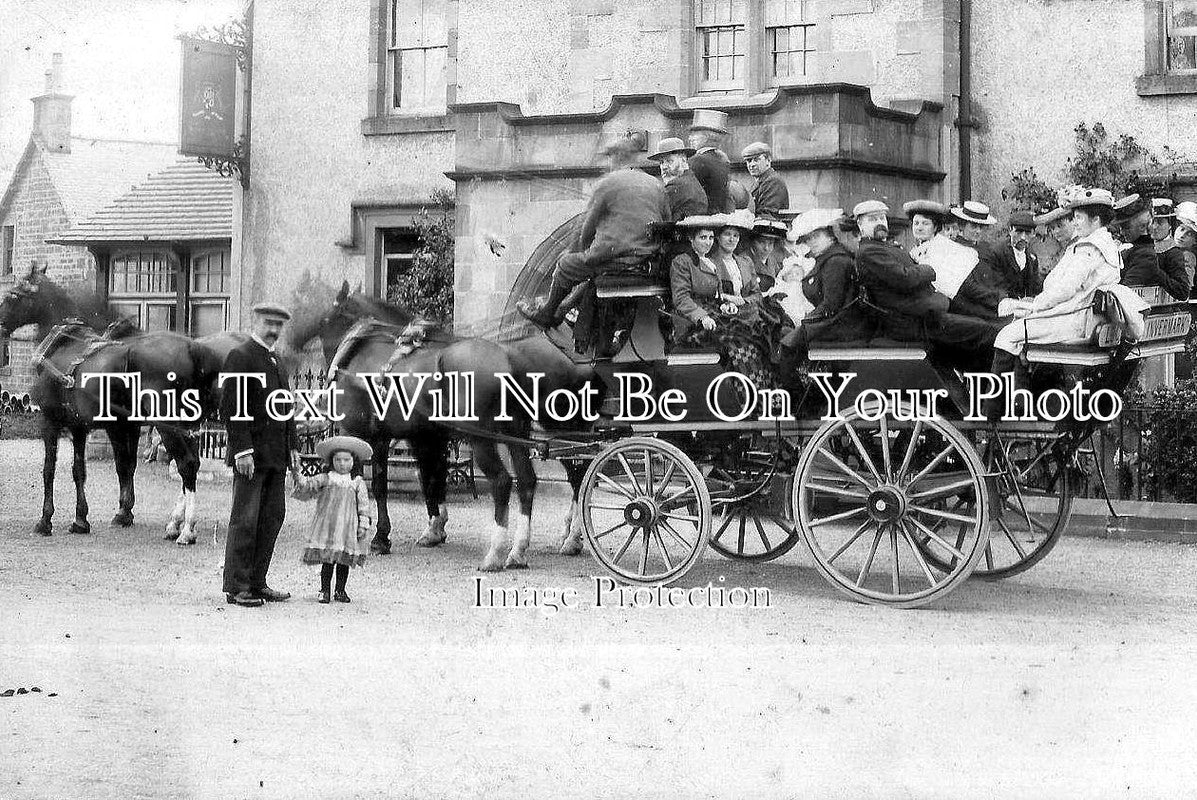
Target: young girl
x: 343, y: 516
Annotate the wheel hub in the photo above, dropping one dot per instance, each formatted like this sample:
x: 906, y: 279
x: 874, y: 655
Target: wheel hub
x: 641, y: 512
x: 886, y: 504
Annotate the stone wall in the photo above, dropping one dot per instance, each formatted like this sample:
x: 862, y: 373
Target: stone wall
x: 520, y: 177
x: 1041, y: 67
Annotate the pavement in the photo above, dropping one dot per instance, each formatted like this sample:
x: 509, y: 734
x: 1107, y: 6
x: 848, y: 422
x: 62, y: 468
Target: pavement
x: 1072, y: 680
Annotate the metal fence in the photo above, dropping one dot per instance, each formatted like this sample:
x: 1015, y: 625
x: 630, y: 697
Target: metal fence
x: 1146, y: 454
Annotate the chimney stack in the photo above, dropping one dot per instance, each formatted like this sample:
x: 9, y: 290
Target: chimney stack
x: 52, y: 111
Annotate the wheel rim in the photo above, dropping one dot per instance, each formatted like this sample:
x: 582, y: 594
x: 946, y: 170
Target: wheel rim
x: 1032, y: 494
x: 750, y: 507
x: 645, y: 511
x: 865, y: 494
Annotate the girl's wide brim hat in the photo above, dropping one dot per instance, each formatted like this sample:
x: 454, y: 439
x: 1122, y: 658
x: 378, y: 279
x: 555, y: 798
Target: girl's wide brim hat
x: 1078, y: 196
x: 928, y: 208
x: 700, y: 221
x: 1054, y: 215
x: 741, y: 220
x: 813, y: 220
x: 336, y: 444
x: 1186, y: 215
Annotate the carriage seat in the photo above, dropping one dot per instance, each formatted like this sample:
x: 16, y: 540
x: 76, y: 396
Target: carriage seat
x: 872, y: 350
x: 629, y: 285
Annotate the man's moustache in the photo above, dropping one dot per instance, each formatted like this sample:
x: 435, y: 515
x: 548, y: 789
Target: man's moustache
x: 880, y: 233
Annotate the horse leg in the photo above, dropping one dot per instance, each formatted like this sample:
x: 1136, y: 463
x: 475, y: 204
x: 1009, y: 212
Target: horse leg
x: 182, y: 450
x: 571, y: 542
x: 525, y: 487
x: 432, y: 458
x: 124, y: 453
x: 486, y: 454
x: 381, y: 544
x: 79, y: 474
x: 50, y: 433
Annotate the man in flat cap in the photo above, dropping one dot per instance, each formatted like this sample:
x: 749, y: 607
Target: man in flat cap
x: 1141, y: 266
x: 615, y: 232
x: 1173, y: 257
x: 260, y: 450
x: 1015, y: 267
x: 769, y: 192
x: 710, y: 164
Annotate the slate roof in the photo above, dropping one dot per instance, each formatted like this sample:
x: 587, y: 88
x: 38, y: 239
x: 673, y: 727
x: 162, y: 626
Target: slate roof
x: 185, y: 201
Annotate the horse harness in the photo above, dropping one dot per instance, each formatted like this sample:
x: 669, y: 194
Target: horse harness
x: 64, y: 333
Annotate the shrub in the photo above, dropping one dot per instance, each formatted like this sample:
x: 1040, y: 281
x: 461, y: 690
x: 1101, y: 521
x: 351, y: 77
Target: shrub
x: 426, y: 288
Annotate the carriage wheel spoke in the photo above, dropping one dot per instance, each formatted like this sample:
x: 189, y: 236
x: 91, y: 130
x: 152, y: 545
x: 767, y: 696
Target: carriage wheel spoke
x: 664, y: 552
x: 648, y: 473
x: 612, y: 529
x: 935, y: 462
x: 673, y: 498
x: 666, y: 478
x: 837, y: 491
x: 864, y: 526
x: 624, y: 549
x: 943, y: 491
x: 868, y: 565
x: 918, y: 557
x: 672, y: 532
x: 723, y: 524
x: 740, y: 538
x: 885, y: 456
x: 785, y: 525
x: 606, y: 507
x: 614, y: 484
x: 644, y: 545
x: 681, y: 517
x: 943, y: 514
x: 938, y: 539
x: 815, y: 523
x: 847, y: 470
x: 760, y: 529
x: 914, y: 438
x: 989, y: 555
x: 627, y: 468
x: 860, y: 450
x: 1022, y: 552
x: 893, y: 544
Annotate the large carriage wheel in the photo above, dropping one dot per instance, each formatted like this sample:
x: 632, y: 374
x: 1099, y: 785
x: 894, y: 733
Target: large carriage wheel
x: 646, y: 511
x: 1032, y: 495
x: 750, y: 503
x: 865, y: 493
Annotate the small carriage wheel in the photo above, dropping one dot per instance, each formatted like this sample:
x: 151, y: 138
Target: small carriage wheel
x: 864, y: 494
x: 1032, y: 497
x: 646, y: 511
x: 750, y: 506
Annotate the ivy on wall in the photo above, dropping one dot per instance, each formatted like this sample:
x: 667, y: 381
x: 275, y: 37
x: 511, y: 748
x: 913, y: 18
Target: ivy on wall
x: 426, y: 289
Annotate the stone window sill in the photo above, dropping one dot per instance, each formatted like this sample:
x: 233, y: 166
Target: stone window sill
x: 401, y: 124
x: 1160, y: 85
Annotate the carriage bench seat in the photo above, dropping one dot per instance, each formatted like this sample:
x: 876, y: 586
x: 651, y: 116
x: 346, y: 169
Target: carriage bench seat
x: 625, y: 285
x: 1087, y: 355
x: 876, y: 350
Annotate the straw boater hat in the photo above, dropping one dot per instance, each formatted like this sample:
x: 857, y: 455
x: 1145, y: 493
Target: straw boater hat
x: 1054, y: 215
x: 869, y: 207
x: 671, y: 145
x: 813, y: 220
x: 928, y: 208
x: 756, y: 149
x: 1130, y: 206
x: 335, y: 444
x: 699, y: 221
x: 972, y: 211
x: 1162, y: 207
x: 769, y: 227
x: 275, y: 310
x: 1186, y: 215
x: 706, y: 119
x: 740, y: 219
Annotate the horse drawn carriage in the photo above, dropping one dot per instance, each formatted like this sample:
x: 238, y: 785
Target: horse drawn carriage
x: 895, y: 506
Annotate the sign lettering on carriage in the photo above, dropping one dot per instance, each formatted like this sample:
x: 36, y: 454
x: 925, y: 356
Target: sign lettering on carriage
x: 207, y: 99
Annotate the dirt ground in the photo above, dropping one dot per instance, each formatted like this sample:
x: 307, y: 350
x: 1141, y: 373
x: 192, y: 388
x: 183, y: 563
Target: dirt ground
x: 1074, y: 680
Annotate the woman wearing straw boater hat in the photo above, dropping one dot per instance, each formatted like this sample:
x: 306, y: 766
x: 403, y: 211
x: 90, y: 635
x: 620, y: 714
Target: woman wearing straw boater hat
x: 769, y: 192
x: 975, y: 221
x: 710, y: 164
x: 1141, y: 264
x: 683, y: 191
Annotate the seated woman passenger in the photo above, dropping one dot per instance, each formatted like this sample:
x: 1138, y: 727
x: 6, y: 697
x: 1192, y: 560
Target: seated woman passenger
x: 830, y: 287
x: 1062, y: 313
x: 714, y: 298
x: 766, y: 251
x: 962, y: 273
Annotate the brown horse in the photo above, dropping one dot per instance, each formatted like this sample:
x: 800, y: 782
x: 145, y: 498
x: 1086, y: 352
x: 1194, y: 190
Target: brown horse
x: 351, y: 349
x: 72, y: 348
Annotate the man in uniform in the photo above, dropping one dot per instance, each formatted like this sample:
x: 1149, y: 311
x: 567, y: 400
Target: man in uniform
x: 614, y: 234
x: 910, y: 310
x: 769, y: 192
x: 1141, y: 266
x: 683, y: 191
x: 260, y: 449
x: 1014, y: 265
x: 710, y: 164
x: 1172, y: 257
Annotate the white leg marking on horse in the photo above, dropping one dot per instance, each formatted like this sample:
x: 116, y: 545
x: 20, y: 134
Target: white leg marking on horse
x: 176, y: 518
x: 571, y: 543
x: 494, y: 558
x: 518, y: 557
x: 187, y: 533
x: 435, y: 534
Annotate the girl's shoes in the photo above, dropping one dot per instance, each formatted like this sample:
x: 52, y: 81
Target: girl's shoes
x: 339, y: 596
x: 323, y: 597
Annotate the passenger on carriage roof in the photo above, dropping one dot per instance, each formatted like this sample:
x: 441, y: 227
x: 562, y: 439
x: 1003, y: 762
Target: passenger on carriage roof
x: 683, y: 191
x: 710, y: 164
x: 769, y: 193
x: 1141, y: 266
x: 615, y: 232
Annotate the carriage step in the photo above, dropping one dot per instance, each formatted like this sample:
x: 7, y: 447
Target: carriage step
x: 867, y: 354
x: 691, y: 359
x: 1085, y: 355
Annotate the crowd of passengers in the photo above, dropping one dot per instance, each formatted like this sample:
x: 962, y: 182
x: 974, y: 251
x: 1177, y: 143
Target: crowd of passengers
x: 975, y: 303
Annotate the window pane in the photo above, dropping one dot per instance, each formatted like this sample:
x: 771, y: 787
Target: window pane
x: 419, y: 23
x: 207, y: 318
x: 395, y: 76
x: 412, y: 78
x: 434, y: 76
x: 131, y: 311
x: 159, y: 317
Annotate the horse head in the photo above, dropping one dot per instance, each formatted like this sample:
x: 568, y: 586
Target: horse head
x: 35, y: 300
x: 348, y: 308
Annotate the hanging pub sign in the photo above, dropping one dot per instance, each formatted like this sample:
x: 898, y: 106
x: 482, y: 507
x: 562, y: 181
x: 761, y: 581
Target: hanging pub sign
x: 207, y: 99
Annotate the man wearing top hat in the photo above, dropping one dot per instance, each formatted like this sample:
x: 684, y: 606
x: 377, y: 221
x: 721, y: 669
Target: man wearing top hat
x: 1141, y: 266
x: 683, y: 191
x: 615, y: 233
x: 769, y: 192
x: 260, y: 450
x: 1173, y: 257
x: 710, y: 164
x: 1014, y: 265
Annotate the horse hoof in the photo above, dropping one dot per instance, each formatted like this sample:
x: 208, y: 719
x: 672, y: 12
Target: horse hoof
x: 428, y: 540
x: 380, y: 548
x: 79, y: 527
x: 513, y: 564
x: 183, y: 541
x: 171, y: 535
x: 491, y: 566
x: 43, y: 529
x: 123, y: 519
x: 570, y: 548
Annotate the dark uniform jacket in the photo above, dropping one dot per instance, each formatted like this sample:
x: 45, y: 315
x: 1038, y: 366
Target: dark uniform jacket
x: 1142, y: 267
x: 712, y: 169
x: 832, y: 289
x: 686, y: 197
x: 1174, y: 260
x: 270, y: 441
x: 623, y: 205
x: 899, y: 287
x: 769, y: 194
x: 1013, y: 281
x: 981, y: 291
